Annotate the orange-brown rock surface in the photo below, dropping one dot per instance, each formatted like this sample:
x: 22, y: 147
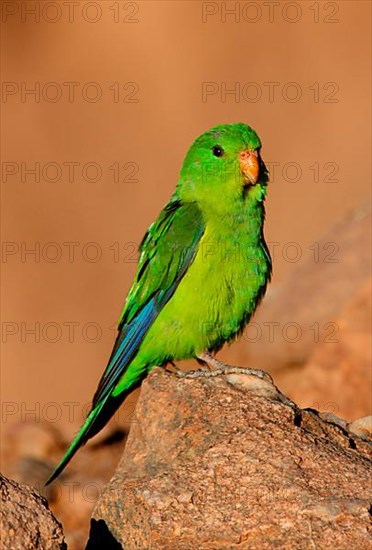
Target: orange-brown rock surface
x: 337, y: 377
x: 26, y: 523
x: 229, y: 462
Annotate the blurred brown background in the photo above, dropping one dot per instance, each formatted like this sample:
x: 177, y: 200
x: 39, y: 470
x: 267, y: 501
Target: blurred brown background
x: 136, y: 82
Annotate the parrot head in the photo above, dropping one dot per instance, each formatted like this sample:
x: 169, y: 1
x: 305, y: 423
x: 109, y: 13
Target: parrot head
x: 224, y: 165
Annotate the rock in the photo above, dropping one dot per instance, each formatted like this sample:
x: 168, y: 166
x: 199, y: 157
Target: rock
x: 228, y: 461
x: 26, y: 521
x: 337, y: 377
x: 362, y: 427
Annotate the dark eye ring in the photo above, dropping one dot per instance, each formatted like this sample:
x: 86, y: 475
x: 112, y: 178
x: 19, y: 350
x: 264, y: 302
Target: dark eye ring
x: 218, y: 151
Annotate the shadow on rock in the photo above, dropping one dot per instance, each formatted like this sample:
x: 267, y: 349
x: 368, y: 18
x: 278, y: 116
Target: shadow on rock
x: 101, y: 537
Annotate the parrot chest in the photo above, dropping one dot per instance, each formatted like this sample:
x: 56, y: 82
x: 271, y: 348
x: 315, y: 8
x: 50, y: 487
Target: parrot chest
x: 234, y: 269
x: 226, y: 282
x: 220, y: 290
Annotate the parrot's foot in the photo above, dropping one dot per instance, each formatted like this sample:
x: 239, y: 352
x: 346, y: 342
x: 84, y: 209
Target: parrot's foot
x: 221, y: 368
x: 225, y: 369
x: 195, y: 373
x: 215, y: 368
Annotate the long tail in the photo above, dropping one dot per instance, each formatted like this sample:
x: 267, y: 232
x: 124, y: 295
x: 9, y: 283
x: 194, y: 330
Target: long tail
x: 94, y: 422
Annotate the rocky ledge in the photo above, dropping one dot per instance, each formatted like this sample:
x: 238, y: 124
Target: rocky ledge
x: 229, y: 462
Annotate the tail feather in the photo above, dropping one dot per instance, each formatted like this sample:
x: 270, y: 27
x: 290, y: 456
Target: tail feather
x: 93, y: 423
x: 97, y: 419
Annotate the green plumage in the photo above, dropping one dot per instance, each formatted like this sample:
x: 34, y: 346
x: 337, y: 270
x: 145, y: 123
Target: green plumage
x: 203, y: 269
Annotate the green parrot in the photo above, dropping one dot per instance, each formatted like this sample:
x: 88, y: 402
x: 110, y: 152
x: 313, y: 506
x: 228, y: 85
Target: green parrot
x: 203, y: 269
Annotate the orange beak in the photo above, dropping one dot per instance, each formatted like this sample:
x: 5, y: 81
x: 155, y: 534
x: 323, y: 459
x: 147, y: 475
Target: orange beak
x: 250, y: 165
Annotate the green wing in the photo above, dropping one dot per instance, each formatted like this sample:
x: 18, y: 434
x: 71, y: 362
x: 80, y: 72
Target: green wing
x: 167, y: 251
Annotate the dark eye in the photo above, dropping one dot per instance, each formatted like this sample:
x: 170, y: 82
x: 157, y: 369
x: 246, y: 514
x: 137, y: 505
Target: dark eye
x: 218, y: 151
